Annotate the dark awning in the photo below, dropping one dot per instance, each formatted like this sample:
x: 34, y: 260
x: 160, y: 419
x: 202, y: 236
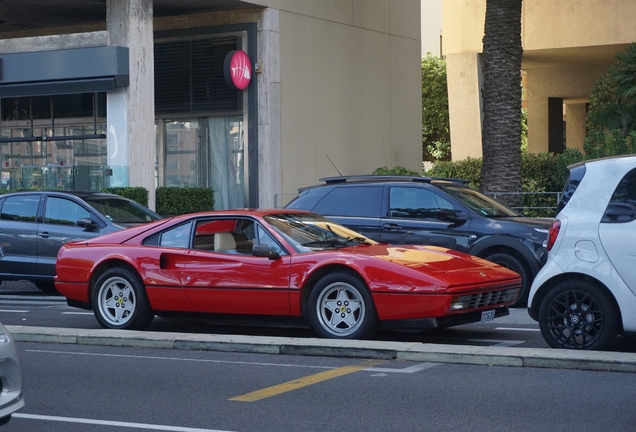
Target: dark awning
x: 82, y: 70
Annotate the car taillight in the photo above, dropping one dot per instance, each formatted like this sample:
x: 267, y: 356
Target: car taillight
x: 554, y: 232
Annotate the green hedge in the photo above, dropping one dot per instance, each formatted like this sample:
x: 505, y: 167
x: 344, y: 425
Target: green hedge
x: 171, y: 200
x: 177, y: 200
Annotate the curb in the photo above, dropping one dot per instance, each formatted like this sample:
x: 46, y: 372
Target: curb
x: 408, y: 351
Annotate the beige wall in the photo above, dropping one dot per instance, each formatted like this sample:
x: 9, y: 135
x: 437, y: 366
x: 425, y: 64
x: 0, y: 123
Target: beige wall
x: 350, y: 89
x: 567, y: 45
x: 431, y: 23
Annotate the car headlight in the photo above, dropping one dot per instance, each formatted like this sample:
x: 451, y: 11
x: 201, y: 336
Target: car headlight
x: 3, y: 339
x: 462, y: 302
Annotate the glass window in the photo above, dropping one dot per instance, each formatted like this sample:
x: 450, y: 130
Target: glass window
x: 122, y: 211
x: 626, y: 190
x: 177, y: 237
x: 62, y: 211
x: 362, y: 201
x: 20, y: 208
x: 478, y: 202
x: 265, y: 239
x: 415, y: 203
x: 205, y: 152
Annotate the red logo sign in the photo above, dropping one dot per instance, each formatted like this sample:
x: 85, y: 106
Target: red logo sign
x: 237, y: 69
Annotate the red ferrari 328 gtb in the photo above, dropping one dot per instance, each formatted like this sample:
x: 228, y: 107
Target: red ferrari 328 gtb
x: 281, y: 263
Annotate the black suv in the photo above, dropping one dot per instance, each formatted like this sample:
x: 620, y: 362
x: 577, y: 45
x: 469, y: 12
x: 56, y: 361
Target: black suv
x: 35, y: 224
x: 432, y: 211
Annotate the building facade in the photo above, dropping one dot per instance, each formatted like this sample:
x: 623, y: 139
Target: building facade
x: 567, y: 47
x: 139, y: 93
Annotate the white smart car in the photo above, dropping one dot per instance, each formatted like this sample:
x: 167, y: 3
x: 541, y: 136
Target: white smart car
x: 11, y: 398
x: 585, y: 295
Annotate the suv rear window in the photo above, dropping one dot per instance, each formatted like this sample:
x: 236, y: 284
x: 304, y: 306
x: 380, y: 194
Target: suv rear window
x: 361, y: 201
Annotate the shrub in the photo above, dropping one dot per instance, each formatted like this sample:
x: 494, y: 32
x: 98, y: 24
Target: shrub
x: 177, y: 200
x: 397, y: 170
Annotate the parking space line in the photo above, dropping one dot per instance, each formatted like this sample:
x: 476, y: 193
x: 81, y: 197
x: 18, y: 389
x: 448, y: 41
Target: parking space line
x: 14, y: 310
x: 496, y: 342
x: 112, y: 423
x: 518, y: 329
x: 304, y: 382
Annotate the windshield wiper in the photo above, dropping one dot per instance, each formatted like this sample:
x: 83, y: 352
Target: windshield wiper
x: 326, y: 242
x: 359, y: 240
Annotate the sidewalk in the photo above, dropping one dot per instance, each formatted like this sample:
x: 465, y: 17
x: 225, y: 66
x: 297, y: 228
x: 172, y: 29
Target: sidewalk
x: 408, y: 351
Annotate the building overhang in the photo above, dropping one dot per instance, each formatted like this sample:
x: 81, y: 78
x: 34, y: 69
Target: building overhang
x: 82, y: 70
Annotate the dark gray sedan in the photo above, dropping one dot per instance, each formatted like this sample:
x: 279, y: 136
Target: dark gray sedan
x: 35, y: 224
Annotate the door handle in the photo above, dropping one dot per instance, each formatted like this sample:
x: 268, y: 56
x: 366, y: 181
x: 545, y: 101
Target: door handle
x: 391, y: 227
x: 44, y: 234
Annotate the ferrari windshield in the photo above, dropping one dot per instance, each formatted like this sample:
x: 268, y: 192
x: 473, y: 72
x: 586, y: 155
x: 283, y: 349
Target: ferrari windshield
x: 308, y: 232
x: 479, y: 202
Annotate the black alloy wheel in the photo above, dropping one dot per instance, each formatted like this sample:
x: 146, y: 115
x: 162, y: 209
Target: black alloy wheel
x: 577, y: 314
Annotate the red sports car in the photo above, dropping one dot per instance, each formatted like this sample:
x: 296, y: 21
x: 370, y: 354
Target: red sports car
x: 278, y: 262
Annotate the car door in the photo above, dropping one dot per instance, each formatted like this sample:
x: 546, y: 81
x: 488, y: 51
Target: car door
x: 617, y: 230
x: 356, y: 207
x: 415, y: 215
x: 18, y: 234
x: 59, y: 226
x: 229, y: 279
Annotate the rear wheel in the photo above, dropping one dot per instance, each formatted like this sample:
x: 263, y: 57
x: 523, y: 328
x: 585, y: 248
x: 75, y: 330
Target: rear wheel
x: 120, y: 300
x: 577, y: 314
x: 513, y: 263
x: 46, y: 287
x: 341, y: 306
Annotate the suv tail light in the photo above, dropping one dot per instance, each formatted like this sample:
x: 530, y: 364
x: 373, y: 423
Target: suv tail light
x: 554, y: 233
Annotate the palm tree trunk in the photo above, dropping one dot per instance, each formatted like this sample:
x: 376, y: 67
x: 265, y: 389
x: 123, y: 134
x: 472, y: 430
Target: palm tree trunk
x: 501, y: 93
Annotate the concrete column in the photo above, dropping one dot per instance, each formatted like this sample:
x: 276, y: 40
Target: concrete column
x: 131, y: 110
x: 574, y: 125
x: 269, y: 114
x: 464, y: 104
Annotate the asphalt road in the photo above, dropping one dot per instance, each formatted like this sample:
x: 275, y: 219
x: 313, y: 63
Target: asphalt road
x: 75, y: 388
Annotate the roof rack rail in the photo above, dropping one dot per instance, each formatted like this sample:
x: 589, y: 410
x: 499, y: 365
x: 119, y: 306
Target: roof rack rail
x: 352, y: 178
x: 361, y: 178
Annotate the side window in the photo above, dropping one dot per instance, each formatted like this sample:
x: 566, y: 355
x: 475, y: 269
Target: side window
x: 626, y: 190
x: 362, y: 201
x: 20, y: 208
x: 415, y: 203
x: 177, y: 237
x: 225, y: 235
x: 61, y: 211
x: 266, y: 239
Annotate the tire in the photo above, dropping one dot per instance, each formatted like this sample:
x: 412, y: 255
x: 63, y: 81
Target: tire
x: 515, y: 264
x: 47, y: 287
x: 120, y: 300
x: 356, y: 318
x: 577, y: 314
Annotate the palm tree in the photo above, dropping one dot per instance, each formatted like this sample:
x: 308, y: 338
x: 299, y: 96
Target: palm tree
x: 501, y: 97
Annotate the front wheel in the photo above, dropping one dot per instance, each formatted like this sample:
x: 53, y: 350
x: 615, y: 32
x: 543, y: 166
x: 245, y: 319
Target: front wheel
x: 577, y: 314
x: 341, y: 306
x: 513, y: 263
x: 120, y: 300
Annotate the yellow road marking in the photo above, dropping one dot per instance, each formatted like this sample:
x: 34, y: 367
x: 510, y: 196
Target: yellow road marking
x: 303, y: 382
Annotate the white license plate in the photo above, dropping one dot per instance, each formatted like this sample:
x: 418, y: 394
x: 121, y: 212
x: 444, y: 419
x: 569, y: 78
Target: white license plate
x: 487, y: 316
